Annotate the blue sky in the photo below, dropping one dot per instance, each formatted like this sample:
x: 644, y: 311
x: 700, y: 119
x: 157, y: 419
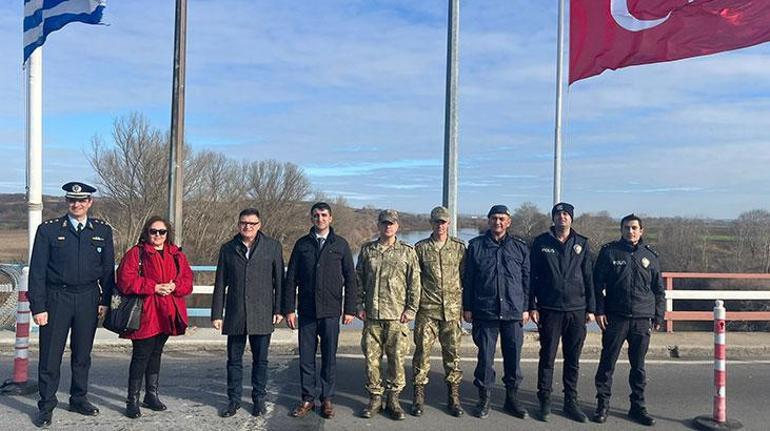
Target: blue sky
x: 353, y: 92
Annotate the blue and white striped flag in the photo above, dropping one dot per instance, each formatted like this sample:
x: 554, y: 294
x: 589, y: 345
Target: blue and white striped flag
x: 42, y: 17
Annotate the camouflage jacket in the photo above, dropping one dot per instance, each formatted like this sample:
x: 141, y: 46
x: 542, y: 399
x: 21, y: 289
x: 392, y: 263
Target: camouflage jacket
x: 441, y: 274
x: 388, y: 280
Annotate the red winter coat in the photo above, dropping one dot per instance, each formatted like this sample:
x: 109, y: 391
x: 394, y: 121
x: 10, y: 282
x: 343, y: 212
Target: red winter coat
x: 159, y: 313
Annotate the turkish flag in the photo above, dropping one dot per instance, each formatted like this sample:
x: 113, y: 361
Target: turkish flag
x: 610, y: 34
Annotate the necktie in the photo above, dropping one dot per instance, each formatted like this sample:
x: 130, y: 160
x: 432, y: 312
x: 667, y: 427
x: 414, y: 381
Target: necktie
x: 321, y: 241
x: 80, y: 227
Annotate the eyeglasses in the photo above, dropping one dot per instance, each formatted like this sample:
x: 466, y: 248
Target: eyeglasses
x: 160, y: 232
x: 248, y: 223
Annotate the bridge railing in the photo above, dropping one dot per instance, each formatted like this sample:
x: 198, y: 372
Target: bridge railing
x: 711, y: 295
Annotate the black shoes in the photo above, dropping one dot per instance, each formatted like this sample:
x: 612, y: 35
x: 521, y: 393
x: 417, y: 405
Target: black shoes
x: 512, y: 404
x: 43, y: 418
x: 640, y: 415
x: 84, y: 408
x: 602, y: 411
x: 573, y: 411
x: 260, y: 408
x: 132, y: 401
x: 545, y: 407
x: 482, y: 407
x: 230, y: 410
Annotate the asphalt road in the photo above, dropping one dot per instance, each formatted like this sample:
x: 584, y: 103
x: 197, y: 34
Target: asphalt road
x: 193, y: 386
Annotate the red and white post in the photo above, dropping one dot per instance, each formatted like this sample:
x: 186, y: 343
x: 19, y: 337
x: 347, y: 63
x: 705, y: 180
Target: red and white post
x: 20, y: 384
x: 718, y: 420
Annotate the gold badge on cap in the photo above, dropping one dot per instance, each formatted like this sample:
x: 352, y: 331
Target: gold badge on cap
x: 645, y: 262
x: 578, y: 248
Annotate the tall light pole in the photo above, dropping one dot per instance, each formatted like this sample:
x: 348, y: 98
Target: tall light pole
x: 450, y: 118
x: 176, y: 152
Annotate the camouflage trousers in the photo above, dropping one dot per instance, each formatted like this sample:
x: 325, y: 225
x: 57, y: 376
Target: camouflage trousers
x: 392, y: 338
x: 448, y: 332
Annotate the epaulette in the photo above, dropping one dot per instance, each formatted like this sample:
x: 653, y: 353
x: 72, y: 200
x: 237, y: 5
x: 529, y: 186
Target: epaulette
x: 457, y: 240
x: 652, y: 250
x: 99, y: 221
x: 580, y: 235
x: 53, y: 220
x: 421, y: 242
x: 519, y: 239
x: 405, y: 244
x: 608, y: 244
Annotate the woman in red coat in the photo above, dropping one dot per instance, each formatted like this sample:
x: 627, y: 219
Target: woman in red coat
x: 158, y: 271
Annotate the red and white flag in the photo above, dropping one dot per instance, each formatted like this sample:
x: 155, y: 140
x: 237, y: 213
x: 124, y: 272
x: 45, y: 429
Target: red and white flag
x: 610, y: 34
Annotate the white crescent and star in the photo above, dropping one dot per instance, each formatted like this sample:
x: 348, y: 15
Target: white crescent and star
x: 624, y: 18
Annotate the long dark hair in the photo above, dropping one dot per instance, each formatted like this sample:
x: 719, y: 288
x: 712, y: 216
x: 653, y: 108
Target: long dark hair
x: 145, y: 235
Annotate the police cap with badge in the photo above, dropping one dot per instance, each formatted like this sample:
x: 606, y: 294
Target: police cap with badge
x: 77, y: 190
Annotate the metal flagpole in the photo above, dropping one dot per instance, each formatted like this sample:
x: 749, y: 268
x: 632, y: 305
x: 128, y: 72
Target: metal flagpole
x: 20, y: 384
x: 557, y: 149
x: 176, y: 151
x: 450, y: 119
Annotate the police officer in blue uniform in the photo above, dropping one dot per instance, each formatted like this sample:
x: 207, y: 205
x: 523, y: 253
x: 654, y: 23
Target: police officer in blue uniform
x: 495, y: 300
x: 630, y: 304
x: 71, y: 277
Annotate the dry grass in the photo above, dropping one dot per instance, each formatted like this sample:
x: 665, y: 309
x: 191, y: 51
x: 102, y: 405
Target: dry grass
x: 13, y: 245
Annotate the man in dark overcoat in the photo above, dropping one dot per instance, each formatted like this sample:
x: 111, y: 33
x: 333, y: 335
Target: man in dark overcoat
x: 247, y: 290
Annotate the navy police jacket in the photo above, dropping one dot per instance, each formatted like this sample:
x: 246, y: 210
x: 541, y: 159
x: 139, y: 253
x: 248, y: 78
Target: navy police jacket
x: 628, y: 281
x: 496, y: 278
x: 64, y: 259
x: 562, y: 274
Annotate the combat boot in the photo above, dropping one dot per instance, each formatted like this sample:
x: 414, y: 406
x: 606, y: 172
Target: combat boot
x: 132, y: 401
x: 454, y: 400
x: 573, y: 410
x: 545, y: 406
x: 512, y: 404
x: 374, y: 406
x: 482, y: 407
x: 419, y: 400
x: 394, y: 407
x: 640, y: 415
x: 602, y: 410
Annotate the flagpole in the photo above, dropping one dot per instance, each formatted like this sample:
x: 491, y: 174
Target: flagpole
x: 557, y: 149
x: 176, y: 151
x: 450, y: 118
x: 34, y: 140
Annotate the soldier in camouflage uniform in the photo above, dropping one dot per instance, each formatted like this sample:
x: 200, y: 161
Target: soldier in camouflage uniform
x: 441, y: 260
x: 388, y: 298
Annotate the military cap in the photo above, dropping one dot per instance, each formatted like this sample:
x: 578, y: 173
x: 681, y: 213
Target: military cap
x: 388, y: 215
x: 498, y: 209
x: 78, y: 190
x: 439, y: 214
x: 563, y: 206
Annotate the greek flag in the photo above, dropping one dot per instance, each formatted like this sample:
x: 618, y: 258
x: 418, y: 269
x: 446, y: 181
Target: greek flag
x: 42, y: 17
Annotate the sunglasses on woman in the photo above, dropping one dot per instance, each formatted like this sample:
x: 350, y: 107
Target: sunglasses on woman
x: 160, y: 232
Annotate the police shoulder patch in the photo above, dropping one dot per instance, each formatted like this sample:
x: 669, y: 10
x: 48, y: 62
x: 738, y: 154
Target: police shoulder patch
x: 652, y: 250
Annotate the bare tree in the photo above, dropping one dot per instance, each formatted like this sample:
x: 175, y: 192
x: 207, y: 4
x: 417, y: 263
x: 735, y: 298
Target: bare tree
x: 528, y: 222
x: 600, y: 228
x: 753, y: 241
x: 131, y: 175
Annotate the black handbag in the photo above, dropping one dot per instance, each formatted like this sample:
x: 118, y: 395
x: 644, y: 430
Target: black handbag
x: 125, y: 312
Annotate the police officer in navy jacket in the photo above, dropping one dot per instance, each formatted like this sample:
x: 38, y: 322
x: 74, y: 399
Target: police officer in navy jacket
x: 71, y: 277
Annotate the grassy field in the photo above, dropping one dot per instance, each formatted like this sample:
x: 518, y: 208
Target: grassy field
x: 13, y: 245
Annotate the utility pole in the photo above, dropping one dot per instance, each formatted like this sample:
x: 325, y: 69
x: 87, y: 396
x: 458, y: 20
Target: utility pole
x: 176, y: 152
x: 450, y: 119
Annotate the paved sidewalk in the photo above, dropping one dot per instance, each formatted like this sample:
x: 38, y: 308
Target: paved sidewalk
x: 679, y: 345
